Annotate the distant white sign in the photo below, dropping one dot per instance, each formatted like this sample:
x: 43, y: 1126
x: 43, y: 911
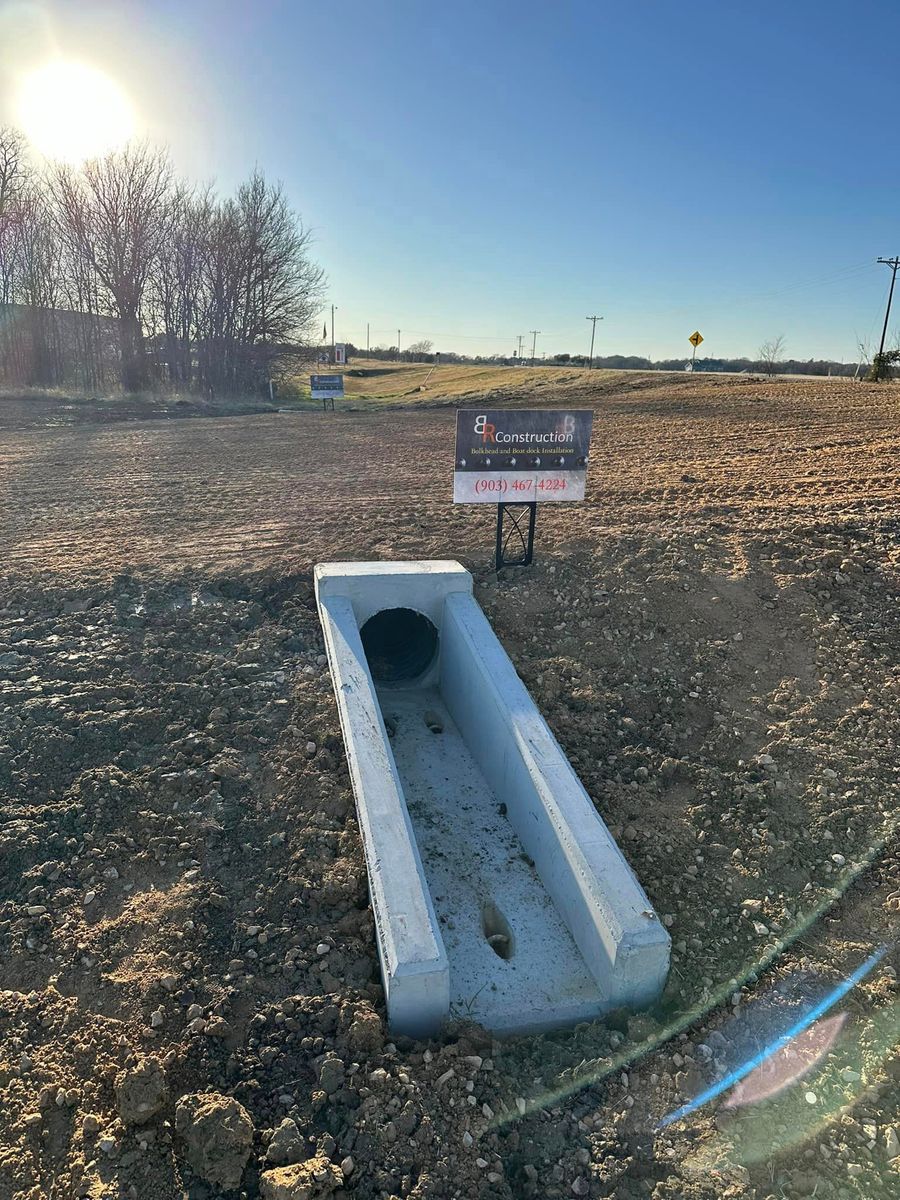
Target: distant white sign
x: 340, y: 354
x: 326, y: 387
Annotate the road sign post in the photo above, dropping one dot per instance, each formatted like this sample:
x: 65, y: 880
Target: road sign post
x: 695, y: 339
x: 517, y: 459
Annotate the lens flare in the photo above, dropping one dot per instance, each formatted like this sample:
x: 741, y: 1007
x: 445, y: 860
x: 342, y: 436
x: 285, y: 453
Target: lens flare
x: 788, y: 1064
x: 774, y: 1047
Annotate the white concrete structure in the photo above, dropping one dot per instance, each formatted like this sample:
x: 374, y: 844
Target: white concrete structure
x: 498, y: 891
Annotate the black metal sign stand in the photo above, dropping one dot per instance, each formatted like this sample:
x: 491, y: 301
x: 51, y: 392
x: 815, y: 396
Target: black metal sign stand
x: 325, y: 402
x: 511, y: 526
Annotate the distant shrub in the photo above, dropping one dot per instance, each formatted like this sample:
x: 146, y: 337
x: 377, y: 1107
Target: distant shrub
x: 883, y: 365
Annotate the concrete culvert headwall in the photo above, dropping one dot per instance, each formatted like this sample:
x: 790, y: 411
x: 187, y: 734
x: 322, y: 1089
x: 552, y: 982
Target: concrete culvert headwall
x: 400, y: 644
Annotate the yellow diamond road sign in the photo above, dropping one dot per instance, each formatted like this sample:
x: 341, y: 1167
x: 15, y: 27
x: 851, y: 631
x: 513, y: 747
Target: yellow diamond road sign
x: 696, y: 338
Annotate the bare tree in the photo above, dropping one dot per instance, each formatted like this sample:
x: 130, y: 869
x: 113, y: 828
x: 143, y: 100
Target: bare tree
x: 864, y: 352
x: 263, y: 291
x: 12, y: 169
x: 12, y: 180
x: 115, y: 212
x: 419, y: 351
x: 772, y: 352
x: 173, y: 313
x: 117, y: 268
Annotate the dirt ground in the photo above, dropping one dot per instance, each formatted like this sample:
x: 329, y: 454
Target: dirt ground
x: 191, y: 1002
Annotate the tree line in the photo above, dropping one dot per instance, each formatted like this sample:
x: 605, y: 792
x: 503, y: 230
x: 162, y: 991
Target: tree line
x: 120, y: 273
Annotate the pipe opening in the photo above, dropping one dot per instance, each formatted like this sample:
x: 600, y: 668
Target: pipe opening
x: 400, y: 644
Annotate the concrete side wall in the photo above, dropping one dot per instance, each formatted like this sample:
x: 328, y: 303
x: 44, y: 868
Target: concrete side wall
x: 614, y: 926
x: 413, y: 959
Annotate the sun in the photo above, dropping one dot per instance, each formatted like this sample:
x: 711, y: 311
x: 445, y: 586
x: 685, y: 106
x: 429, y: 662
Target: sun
x: 71, y: 111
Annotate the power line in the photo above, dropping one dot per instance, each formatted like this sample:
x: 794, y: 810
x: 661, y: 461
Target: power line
x: 534, y: 333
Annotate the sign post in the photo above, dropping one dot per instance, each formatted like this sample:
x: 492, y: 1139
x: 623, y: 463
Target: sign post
x: 326, y: 388
x: 517, y: 459
x: 695, y: 339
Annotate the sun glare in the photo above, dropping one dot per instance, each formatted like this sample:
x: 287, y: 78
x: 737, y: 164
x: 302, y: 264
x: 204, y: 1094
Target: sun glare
x: 72, y: 111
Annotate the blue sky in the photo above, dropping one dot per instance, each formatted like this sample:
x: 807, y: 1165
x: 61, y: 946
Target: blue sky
x: 478, y: 170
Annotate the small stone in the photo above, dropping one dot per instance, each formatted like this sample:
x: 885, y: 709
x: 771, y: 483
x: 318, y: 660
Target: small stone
x: 287, y: 1145
x: 33, y: 1119
x: 581, y: 1186
x: 168, y: 981
x: 141, y: 1091
x: 90, y: 897
x: 107, y: 1144
x: 838, y: 860
x: 811, y: 1098
x: 521, y: 1105
x: 322, y: 948
x: 36, y: 910
x: 347, y: 1165
x: 891, y: 1143
x: 110, y: 873
x: 310, y: 749
x: 156, y: 1018
x: 310, y: 1180
x: 218, y: 1027
x: 90, y: 1125
x: 850, y: 1076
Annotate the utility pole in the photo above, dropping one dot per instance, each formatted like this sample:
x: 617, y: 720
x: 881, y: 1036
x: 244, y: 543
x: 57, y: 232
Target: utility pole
x: 521, y: 338
x: 367, y: 339
x: 398, y: 345
x: 593, y: 321
x: 333, y: 307
x: 893, y: 263
x: 534, y: 333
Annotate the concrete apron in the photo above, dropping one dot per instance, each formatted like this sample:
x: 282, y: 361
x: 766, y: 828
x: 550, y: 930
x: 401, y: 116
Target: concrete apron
x: 498, y: 893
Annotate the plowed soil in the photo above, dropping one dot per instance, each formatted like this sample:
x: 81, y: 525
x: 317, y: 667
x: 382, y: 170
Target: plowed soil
x: 191, y: 1001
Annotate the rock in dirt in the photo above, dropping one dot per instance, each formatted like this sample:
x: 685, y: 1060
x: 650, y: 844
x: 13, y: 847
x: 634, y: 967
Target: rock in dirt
x: 331, y: 1074
x: 217, y: 1133
x: 366, y: 1035
x: 310, y: 1180
x: 287, y: 1144
x: 141, y: 1092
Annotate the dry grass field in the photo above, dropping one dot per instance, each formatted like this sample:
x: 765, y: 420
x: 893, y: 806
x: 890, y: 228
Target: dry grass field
x: 713, y: 638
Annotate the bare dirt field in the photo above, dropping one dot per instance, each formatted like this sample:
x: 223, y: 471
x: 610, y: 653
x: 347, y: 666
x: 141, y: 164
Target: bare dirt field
x: 190, y: 1002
